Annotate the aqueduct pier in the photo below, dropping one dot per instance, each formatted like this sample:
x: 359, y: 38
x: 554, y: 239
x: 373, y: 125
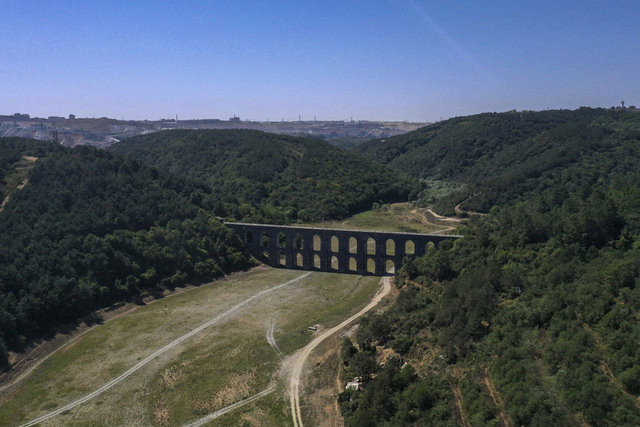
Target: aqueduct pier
x: 325, y: 249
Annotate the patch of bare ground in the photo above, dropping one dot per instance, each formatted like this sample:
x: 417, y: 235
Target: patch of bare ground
x: 237, y: 388
x: 459, y: 408
x: 384, y: 354
x: 495, y: 397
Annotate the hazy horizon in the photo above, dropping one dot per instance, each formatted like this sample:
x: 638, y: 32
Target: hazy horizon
x: 407, y: 60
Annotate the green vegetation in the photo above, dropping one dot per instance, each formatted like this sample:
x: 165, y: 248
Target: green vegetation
x: 347, y: 142
x: 93, y: 227
x: 539, y: 302
x: 254, y: 176
x: 396, y: 394
x: 499, y: 158
x: 533, y: 317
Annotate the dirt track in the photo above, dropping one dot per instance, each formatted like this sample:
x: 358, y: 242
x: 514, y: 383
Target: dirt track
x: 300, y: 357
x: 221, y: 412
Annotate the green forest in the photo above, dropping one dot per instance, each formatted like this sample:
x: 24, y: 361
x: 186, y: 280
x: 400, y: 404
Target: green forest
x: 533, y: 318
x: 539, y: 302
x: 256, y: 176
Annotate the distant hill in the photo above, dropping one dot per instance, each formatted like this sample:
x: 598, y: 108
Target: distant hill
x: 103, y: 131
x: 501, y: 156
x: 256, y: 176
x: 93, y: 227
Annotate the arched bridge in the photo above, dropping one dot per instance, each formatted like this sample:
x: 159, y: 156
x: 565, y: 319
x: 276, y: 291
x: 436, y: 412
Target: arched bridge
x: 340, y: 251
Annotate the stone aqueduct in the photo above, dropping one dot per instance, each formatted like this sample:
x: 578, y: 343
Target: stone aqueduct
x: 341, y: 251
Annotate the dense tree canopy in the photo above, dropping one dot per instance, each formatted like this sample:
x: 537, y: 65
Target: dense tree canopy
x: 501, y: 157
x: 541, y: 297
x: 256, y: 176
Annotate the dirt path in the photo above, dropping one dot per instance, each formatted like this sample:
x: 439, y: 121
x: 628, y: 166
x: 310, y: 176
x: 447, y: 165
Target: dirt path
x: 447, y: 228
x: 497, y: 401
x: 458, y: 396
x: 30, y: 163
x: 164, y: 349
x: 459, y: 211
x: 271, y: 339
x: 6, y: 199
x: 202, y: 421
x: 443, y: 218
x: 300, y: 357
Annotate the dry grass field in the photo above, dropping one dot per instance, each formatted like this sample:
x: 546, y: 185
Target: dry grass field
x: 225, y: 362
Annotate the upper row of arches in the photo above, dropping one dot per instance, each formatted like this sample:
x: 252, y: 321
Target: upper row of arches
x: 389, y: 247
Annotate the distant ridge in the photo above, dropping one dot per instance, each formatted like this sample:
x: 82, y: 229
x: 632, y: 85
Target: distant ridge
x: 103, y: 131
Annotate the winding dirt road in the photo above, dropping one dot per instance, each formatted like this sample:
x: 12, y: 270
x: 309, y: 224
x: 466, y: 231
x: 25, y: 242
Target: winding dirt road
x: 155, y: 354
x: 301, y: 357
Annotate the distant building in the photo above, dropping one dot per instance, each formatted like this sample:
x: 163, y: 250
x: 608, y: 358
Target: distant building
x: 72, y: 116
x: 234, y: 119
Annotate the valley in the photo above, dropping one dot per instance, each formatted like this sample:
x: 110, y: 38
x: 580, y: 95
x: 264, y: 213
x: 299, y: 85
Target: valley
x: 333, y: 214
x: 522, y: 321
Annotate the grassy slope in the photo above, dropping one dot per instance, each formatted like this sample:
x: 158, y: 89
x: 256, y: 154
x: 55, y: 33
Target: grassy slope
x: 222, y: 364
x: 401, y: 217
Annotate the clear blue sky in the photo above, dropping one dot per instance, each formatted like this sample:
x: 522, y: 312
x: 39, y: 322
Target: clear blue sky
x: 395, y: 59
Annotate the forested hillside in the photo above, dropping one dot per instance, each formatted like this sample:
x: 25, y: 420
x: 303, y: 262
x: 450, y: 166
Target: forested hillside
x: 93, y: 227
x: 500, y: 157
x: 256, y: 176
x: 534, y: 317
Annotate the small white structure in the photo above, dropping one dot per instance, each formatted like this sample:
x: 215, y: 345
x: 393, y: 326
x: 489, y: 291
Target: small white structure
x: 354, y: 384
